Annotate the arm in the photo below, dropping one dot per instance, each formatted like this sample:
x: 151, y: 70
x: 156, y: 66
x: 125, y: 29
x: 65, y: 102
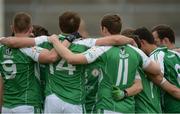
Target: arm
x: 1, y: 93
x: 67, y: 54
x: 40, y: 55
x: 87, y: 57
x: 157, y: 77
x: 135, y: 88
x: 15, y: 42
x: 106, y: 41
x: 47, y: 56
x: 114, y: 40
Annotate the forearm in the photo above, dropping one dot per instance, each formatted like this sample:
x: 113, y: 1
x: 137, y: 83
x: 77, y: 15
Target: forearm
x: 68, y: 55
x: 18, y: 42
x: 135, y: 88
x: 171, y: 89
x: 114, y: 40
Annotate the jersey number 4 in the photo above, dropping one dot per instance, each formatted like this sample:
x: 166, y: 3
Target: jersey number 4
x: 61, y: 67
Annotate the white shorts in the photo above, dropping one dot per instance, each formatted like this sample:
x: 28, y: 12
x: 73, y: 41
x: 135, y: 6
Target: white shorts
x: 54, y: 104
x: 23, y: 109
x: 100, y: 111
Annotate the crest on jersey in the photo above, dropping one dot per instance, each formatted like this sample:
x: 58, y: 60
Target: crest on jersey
x: 123, y: 54
x: 95, y: 72
x: 8, y: 51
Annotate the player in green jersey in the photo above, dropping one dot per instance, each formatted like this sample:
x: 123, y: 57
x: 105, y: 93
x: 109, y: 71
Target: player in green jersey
x: 21, y: 87
x: 169, y: 67
x: 49, y: 88
x: 94, y: 71
x: 110, y: 78
x: 164, y: 36
x: 148, y: 101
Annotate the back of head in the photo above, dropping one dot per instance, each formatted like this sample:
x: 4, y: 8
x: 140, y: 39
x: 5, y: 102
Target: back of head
x: 22, y: 22
x: 164, y: 31
x: 39, y: 31
x: 128, y: 32
x: 69, y: 22
x: 144, y: 34
x: 112, y: 23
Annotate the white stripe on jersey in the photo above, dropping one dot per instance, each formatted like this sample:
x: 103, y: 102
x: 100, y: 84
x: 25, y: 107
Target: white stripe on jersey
x: 158, y: 57
x: 32, y: 52
x: 93, y: 53
x: 145, y: 59
x: 89, y: 42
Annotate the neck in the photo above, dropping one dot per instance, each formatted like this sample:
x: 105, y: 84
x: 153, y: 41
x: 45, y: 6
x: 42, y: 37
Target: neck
x: 151, y: 48
x: 21, y: 34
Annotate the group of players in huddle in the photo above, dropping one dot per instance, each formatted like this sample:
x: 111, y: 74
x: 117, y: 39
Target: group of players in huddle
x: 137, y: 71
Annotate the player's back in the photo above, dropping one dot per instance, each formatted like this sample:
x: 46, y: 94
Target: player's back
x: 148, y: 100
x: 21, y: 87
x: 120, y: 65
x: 65, y: 80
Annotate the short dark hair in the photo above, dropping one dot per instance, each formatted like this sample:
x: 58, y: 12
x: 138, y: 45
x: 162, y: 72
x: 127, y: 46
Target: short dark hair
x: 69, y: 22
x: 130, y: 33
x: 112, y: 22
x: 164, y: 31
x: 39, y: 31
x: 127, y: 32
x: 22, y: 22
x: 145, y: 34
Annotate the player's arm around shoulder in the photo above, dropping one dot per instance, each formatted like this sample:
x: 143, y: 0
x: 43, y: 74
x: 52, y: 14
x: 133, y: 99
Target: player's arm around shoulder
x: 40, y: 55
x: 66, y: 53
x: 21, y: 42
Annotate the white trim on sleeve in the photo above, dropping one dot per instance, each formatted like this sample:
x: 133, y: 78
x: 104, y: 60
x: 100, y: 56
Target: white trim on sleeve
x: 89, y: 42
x: 32, y: 52
x: 93, y: 53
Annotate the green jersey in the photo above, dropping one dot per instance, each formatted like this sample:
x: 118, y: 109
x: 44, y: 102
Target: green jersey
x: 148, y: 100
x: 66, y: 80
x: 172, y: 74
x: 93, y: 72
x: 21, y: 86
x: 119, y: 68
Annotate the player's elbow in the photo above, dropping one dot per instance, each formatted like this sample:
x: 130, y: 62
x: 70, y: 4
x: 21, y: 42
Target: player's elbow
x: 139, y: 86
x: 53, y: 58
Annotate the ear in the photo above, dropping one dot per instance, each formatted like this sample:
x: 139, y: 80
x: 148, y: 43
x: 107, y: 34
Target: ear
x: 12, y: 28
x: 166, y: 40
x: 106, y: 30
x: 142, y: 42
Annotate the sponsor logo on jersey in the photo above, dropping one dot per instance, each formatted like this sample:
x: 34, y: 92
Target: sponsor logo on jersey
x: 95, y: 72
x: 123, y: 54
x: 8, y: 53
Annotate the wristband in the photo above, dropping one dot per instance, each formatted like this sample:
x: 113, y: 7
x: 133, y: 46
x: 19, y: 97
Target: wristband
x: 163, y: 81
x: 41, y: 39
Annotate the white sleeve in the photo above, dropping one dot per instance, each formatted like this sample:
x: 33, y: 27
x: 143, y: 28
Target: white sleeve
x: 89, y: 42
x: 145, y: 59
x: 137, y: 77
x: 40, y: 39
x: 93, y: 53
x: 159, y: 58
x: 32, y: 52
